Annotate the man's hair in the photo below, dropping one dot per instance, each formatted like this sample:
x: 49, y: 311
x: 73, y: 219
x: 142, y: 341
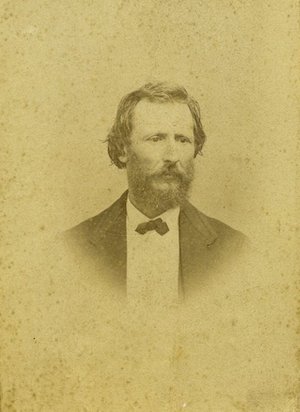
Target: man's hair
x: 119, y: 135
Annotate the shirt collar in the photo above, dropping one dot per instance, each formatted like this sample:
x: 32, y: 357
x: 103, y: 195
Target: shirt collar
x: 135, y: 217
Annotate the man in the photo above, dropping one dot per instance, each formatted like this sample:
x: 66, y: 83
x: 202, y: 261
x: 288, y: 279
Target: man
x: 152, y: 242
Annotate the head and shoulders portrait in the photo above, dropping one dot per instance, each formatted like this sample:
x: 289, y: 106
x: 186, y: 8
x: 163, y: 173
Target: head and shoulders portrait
x: 152, y: 243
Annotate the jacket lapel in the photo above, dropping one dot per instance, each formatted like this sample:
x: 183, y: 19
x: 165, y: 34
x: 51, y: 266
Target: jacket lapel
x: 196, y: 235
x: 110, y: 239
x: 197, y: 238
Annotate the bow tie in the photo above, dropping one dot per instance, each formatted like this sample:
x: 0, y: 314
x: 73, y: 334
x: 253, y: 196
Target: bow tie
x: 159, y: 225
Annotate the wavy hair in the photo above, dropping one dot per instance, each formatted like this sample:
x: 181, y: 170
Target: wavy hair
x: 119, y: 135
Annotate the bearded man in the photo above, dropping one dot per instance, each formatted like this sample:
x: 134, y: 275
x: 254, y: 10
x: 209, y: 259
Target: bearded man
x: 152, y: 242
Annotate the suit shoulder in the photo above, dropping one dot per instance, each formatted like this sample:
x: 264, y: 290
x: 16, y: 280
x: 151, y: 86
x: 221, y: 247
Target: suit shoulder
x: 230, y: 241
x: 103, y: 219
x: 221, y: 230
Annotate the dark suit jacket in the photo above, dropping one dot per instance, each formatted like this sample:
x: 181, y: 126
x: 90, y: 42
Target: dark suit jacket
x: 208, y: 247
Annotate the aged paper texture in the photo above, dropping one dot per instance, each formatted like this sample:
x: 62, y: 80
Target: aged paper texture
x: 69, y: 340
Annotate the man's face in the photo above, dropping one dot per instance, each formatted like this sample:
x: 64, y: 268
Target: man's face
x: 160, y: 157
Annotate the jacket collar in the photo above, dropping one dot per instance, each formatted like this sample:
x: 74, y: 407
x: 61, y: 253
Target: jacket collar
x: 196, y: 237
x: 191, y: 219
x: 197, y: 223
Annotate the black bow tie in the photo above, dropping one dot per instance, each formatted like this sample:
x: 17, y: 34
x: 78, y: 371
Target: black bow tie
x: 158, y: 224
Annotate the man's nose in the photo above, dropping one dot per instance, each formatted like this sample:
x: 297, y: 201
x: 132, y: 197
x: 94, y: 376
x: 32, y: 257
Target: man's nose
x: 171, y: 152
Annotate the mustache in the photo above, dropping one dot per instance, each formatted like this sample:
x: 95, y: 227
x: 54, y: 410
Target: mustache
x: 174, y: 170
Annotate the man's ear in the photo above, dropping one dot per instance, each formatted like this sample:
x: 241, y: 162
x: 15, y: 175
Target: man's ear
x: 124, y: 156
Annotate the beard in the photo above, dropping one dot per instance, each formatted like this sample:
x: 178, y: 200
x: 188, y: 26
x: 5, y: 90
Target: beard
x: 165, y: 189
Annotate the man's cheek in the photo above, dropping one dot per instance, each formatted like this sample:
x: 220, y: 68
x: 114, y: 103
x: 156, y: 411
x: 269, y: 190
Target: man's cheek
x: 150, y: 166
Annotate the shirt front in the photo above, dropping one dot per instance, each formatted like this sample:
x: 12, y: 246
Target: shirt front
x: 152, y: 259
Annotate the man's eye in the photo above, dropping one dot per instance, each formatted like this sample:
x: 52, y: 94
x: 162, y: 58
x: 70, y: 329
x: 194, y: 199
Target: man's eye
x: 184, y: 139
x: 155, y: 138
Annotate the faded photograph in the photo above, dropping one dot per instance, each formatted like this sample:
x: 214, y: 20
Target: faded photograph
x: 149, y: 206
x: 152, y: 242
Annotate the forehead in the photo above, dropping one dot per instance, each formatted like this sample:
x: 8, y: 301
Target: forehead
x: 151, y: 116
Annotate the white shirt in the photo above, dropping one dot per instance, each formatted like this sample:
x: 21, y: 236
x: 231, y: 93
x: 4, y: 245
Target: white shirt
x: 152, y: 259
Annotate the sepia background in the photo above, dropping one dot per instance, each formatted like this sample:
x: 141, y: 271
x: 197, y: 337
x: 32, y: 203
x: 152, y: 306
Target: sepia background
x: 64, y: 67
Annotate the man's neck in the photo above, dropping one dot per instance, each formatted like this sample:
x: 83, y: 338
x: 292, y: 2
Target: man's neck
x: 149, y: 210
